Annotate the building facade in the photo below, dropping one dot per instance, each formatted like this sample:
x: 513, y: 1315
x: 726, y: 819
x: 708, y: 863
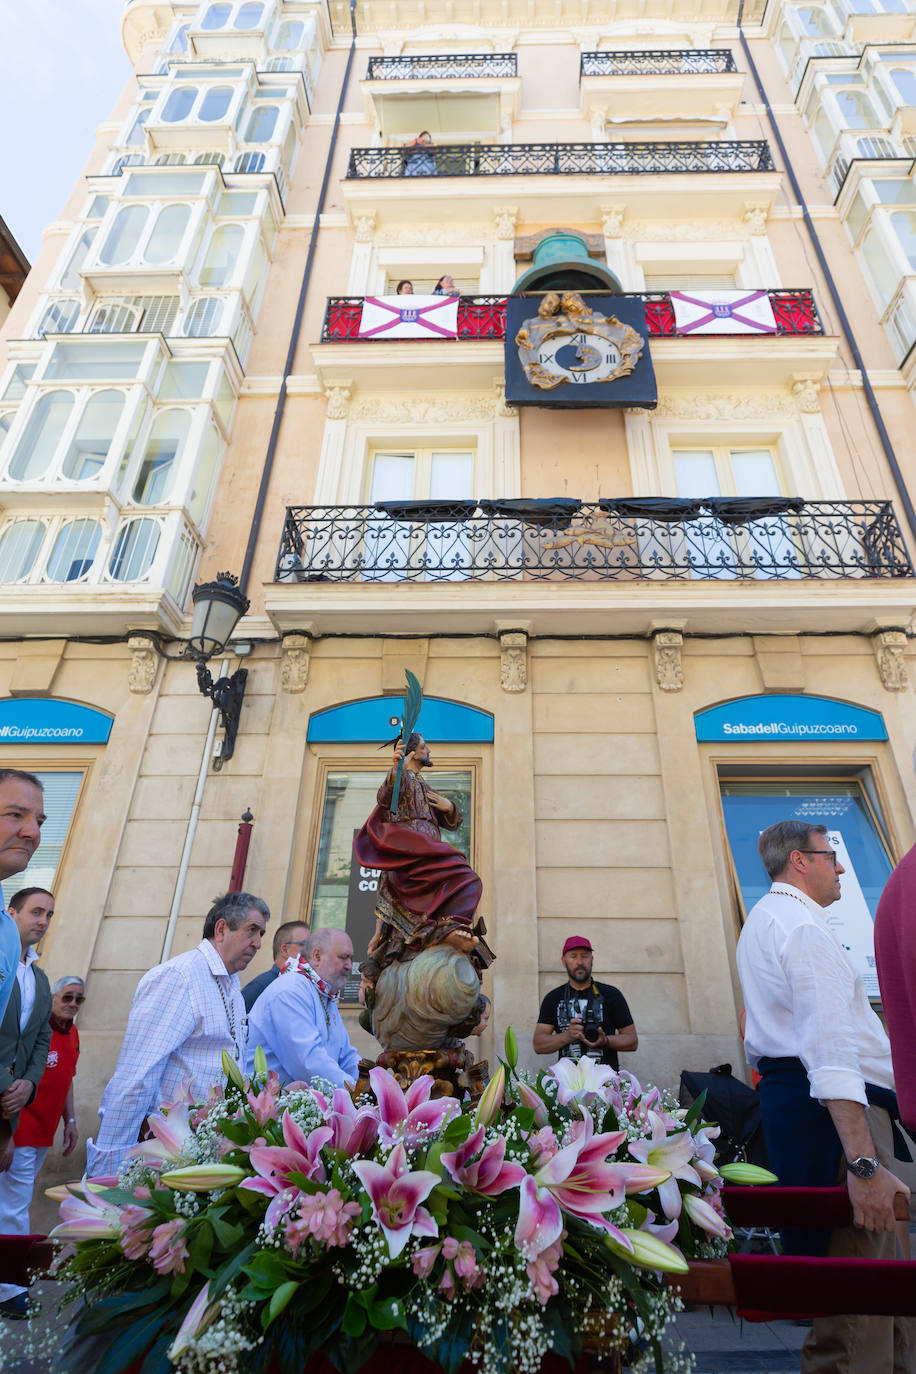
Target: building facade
x: 645, y: 629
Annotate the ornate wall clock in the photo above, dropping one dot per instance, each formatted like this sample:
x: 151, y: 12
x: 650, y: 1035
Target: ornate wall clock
x: 569, y: 353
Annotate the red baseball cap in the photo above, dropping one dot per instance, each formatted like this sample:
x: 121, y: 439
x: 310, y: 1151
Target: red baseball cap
x: 576, y: 942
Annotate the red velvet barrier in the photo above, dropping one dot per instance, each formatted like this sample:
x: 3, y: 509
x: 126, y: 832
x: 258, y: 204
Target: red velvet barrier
x: 19, y: 1254
x: 776, y: 1207
x: 768, y: 1287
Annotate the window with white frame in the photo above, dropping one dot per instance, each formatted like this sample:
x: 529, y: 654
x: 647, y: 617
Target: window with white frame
x: 74, y: 551
x: 399, y: 544
x: 20, y: 542
x: 147, y: 234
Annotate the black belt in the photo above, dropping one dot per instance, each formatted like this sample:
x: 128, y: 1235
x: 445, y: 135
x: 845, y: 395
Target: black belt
x: 883, y: 1098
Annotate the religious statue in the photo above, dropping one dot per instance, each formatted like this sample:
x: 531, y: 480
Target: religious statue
x: 421, y: 979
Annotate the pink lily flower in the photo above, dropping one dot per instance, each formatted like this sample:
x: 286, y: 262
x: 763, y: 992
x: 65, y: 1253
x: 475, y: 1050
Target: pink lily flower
x: 671, y: 1153
x: 579, y: 1080
x: 665, y: 1232
x: 540, y: 1271
x: 585, y: 1183
x: 529, y: 1098
x: 171, y: 1130
x: 264, y: 1104
x: 168, y: 1251
x: 275, y: 1165
x: 136, y: 1231
x: 705, y: 1215
x: 422, y: 1261
x: 543, y: 1144
x: 540, y: 1221
x: 396, y: 1193
x: 201, y: 1314
x: 490, y: 1174
x: 354, y: 1132
x: 85, y: 1216
x: 410, y: 1118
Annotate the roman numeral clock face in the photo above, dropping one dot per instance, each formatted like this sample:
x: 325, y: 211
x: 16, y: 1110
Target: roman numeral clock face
x: 580, y: 358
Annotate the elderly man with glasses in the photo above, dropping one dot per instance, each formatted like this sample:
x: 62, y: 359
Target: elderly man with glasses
x: 827, y: 1096
x: 38, y: 1123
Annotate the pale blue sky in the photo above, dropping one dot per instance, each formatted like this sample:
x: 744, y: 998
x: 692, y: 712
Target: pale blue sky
x: 63, y: 68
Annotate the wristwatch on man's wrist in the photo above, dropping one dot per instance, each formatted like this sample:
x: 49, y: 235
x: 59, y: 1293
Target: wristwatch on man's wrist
x: 863, y: 1167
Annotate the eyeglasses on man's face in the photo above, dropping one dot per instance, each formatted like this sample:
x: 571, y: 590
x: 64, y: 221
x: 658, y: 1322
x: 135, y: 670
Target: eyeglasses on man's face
x: 827, y: 853
x: 69, y: 997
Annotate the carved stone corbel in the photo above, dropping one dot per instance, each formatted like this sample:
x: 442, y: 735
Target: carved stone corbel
x: 755, y: 217
x: 365, y: 228
x: 807, y: 398
x: 889, y: 646
x: 612, y: 221
x: 504, y: 217
x: 294, y: 670
x: 513, y: 660
x: 338, y: 402
x: 144, y: 664
x: 667, y: 646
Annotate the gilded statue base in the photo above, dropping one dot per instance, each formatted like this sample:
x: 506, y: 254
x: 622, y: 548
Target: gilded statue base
x: 454, y: 1071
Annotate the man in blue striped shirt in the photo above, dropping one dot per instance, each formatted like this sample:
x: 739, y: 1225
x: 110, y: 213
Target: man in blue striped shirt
x: 21, y: 818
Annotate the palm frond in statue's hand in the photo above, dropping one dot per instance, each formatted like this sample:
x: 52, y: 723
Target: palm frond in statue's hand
x: 413, y: 701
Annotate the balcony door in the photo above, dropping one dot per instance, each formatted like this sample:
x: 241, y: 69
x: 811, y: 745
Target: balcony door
x: 716, y: 547
x: 422, y: 541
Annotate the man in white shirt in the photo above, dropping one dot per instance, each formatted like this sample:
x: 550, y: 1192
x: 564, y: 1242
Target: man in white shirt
x: 185, y: 1013
x: 296, y: 1020
x: 826, y: 1089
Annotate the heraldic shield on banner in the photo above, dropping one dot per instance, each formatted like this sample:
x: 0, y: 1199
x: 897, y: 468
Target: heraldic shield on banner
x: 572, y: 354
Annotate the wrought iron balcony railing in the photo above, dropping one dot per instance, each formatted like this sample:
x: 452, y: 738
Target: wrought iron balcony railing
x: 561, y: 159
x: 450, y: 64
x: 484, y: 317
x: 617, y: 540
x: 658, y: 62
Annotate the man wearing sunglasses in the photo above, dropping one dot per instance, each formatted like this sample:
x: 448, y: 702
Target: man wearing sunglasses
x: 827, y: 1099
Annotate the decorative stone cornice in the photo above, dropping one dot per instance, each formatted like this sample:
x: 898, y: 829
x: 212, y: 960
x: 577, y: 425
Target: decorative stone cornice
x: 725, y: 407
x: 428, y: 410
x: 422, y: 234
x: 701, y: 231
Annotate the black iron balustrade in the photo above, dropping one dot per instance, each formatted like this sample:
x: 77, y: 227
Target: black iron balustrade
x: 617, y: 540
x: 561, y: 159
x: 658, y: 62
x: 484, y: 317
x: 450, y: 64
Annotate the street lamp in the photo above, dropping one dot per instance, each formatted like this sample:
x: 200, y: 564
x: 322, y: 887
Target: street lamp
x: 218, y: 606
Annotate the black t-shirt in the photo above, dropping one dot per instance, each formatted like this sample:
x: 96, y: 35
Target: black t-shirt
x: 613, y: 1013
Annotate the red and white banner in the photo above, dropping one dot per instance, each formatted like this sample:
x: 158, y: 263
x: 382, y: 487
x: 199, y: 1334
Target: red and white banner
x: 409, y: 317
x: 723, y: 312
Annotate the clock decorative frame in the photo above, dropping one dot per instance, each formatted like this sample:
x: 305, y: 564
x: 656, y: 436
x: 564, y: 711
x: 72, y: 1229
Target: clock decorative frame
x: 568, y: 317
x: 568, y: 350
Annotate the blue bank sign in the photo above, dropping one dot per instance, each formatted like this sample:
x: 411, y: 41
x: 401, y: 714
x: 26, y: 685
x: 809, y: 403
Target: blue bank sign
x: 376, y: 719
x: 42, y: 720
x: 788, y: 717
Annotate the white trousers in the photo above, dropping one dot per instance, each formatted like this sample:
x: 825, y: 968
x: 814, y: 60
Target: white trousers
x: 16, y: 1187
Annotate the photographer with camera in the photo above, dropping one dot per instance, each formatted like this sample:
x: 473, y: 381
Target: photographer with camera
x: 584, y: 1017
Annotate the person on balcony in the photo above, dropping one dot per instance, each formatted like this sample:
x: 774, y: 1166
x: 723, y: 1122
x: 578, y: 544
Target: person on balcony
x: 405, y: 288
x: 420, y: 161
x: 445, y: 286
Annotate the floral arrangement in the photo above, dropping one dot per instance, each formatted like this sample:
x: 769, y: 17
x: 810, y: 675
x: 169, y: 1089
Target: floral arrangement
x: 270, y: 1223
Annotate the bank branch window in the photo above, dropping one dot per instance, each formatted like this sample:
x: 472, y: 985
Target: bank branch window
x: 850, y: 809
x: 343, y: 892
x: 61, y: 793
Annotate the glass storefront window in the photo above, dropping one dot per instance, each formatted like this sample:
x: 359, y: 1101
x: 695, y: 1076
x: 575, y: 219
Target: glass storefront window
x: 849, y: 809
x: 61, y: 793
x: 343, y: 895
